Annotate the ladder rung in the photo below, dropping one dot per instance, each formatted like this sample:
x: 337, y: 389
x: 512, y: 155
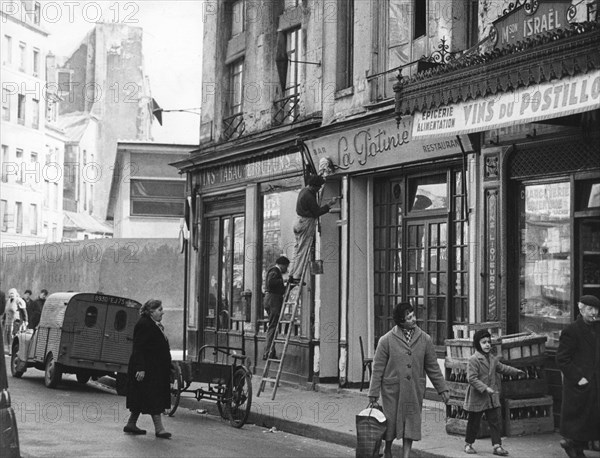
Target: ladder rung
x: 285, y: 321
x: 268, y: 379
x: 279, y: 340
x: 275, y: 360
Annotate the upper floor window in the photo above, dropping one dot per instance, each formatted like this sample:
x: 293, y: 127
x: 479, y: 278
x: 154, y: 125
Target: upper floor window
x: 7, y: 51
x: 345, y: 44
x: 288, y: 59
x: 164, y: 198
x: 238, y: 17
x: 35, y: 118
x: 294, y: 52
x: 4, y: 163
x: 21, y: 109
x: 23, y: 56
x: 4, y: 215
x: 37, y: 13
x: 19, y: 217
x: 5, y: 104
x: 236, y: 87
x: 33, y: 219
x: 401, y: 27
x: 36, y: 62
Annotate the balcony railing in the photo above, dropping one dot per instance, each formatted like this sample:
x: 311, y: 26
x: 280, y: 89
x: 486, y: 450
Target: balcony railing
x: 233, y: 126
x: 287, y: 109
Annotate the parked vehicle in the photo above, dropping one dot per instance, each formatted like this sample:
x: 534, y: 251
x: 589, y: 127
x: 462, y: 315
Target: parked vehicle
x: 9, y: 434
x: 89, y: 335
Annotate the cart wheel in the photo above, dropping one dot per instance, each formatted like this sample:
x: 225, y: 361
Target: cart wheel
x: 53, y: 373
x: 238, y: 408
x: 14, y: 362
x: 176, y: 388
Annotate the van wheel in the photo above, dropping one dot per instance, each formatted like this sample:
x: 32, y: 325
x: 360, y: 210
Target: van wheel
x: 14, y: 362
x: 82, y: 377
x: 53, y: 372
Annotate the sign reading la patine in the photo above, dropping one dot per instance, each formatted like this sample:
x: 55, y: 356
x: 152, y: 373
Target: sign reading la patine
x: 381, y: 144
x: 563, y: 97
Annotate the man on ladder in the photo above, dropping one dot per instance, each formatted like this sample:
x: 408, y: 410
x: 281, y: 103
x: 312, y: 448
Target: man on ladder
x: 275, y: 289
x: 308, y: 211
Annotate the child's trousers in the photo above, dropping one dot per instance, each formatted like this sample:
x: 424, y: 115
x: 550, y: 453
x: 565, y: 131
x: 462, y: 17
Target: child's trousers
x: 493, y: 419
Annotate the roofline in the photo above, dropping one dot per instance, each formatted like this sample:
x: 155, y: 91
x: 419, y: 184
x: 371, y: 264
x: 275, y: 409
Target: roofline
x: 33, y: 27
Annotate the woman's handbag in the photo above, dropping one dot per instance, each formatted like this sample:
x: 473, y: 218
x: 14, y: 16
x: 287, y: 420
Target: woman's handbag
x: 371, y: 425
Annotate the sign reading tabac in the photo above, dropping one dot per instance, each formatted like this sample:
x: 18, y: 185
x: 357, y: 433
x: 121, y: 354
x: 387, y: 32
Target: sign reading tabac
x: 532, y: 17
x: 381, y: 144
x: 554, y: 99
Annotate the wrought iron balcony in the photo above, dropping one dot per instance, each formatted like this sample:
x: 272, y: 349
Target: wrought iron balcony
x: 233, y: 126
x: 287, y: 109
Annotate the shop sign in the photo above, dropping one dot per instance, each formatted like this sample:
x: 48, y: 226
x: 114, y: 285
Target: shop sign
x: 554, y: 99
x: 532, y: 18
x: 251, y: 170
x: 492, y: 254
x: 380, y: 144
x: 551, y: 200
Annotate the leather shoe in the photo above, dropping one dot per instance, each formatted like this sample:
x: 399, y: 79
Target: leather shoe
x: 163, y: 435
x: 568, y: 447
x: 133, y: 430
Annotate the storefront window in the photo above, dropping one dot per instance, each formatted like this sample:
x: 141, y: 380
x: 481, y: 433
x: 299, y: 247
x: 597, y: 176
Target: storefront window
x: 279, y: 215
x: 545, y: 253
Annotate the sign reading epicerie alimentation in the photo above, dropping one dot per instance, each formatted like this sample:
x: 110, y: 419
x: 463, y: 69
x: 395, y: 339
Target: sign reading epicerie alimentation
x: 534, y: 103
x: 381, y: 144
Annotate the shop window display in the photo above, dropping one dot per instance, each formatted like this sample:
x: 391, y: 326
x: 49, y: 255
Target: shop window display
x: 545, y: 253
x: 279, y: 215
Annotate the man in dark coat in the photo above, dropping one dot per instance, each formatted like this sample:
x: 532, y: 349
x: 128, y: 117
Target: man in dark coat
x: 578, y: 357
x: 149, y: 370
x: 308, y: 211
x: 34, y: 310
x: 275, y: 289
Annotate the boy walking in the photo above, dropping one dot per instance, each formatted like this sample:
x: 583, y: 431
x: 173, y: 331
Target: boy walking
x: 483, y: 391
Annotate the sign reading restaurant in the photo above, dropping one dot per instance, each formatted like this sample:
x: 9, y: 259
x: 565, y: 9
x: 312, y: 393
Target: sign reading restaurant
x: 563, y: 97
x: 380, y: 144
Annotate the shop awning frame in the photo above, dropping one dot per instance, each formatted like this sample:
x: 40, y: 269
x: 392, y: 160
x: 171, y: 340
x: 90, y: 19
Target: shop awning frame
x: 553, y: 55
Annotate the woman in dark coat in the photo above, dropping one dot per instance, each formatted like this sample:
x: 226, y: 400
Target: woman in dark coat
x: 149, y: 371
x: 578, y: 357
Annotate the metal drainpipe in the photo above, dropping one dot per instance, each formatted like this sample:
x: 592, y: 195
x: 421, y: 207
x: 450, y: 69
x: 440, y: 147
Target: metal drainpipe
x: 317, y: 335
x: 344, y: 264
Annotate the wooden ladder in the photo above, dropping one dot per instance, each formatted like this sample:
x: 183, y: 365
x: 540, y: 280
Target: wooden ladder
x: 289, y: 322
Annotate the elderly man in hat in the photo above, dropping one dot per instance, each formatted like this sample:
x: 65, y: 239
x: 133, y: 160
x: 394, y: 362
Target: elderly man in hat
x: 308, y: 211
x: 578, y: 357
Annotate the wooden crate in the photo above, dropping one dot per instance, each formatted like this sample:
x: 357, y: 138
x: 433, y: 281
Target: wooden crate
x: 456, y: 377
x: 522, y: 346
x: 528, y: 416
x: 534, y: 384
x: 462, y: 349
x: 458, y: 425
x: 467, y: 330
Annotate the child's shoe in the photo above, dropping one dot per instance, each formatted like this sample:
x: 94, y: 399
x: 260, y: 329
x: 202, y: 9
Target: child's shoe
x: 498, y: 450
x: 469, y: 449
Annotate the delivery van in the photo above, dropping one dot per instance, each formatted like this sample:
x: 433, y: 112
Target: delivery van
x: 86, y: 334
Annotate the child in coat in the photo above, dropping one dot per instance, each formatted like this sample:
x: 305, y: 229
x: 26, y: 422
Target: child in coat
x: 483, y: 391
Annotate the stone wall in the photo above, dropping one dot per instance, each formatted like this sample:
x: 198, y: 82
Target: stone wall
x: 138, y: 269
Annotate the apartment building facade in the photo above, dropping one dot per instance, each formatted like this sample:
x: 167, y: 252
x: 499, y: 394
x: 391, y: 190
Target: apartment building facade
x: 32, y: 154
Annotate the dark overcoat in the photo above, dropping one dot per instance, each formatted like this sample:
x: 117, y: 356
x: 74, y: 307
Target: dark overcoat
x: 578, y: 355
x: 399, y: 370
x: 151, y: 354
x: 482, y: 373
x: 275, y: 289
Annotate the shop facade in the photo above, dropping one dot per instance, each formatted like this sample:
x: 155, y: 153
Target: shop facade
x: 404, y: 231
x: 533, y: 107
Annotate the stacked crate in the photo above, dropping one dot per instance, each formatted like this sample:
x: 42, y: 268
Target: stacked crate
x: 526, y: 407
x: 458, y: 352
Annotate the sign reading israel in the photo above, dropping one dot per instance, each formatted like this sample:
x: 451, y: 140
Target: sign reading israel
x: 531, y: 18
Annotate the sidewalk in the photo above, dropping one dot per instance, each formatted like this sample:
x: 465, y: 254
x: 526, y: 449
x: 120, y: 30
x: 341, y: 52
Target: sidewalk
x: 329, y: 415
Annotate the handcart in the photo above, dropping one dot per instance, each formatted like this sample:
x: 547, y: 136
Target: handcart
x: 226, y: 379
